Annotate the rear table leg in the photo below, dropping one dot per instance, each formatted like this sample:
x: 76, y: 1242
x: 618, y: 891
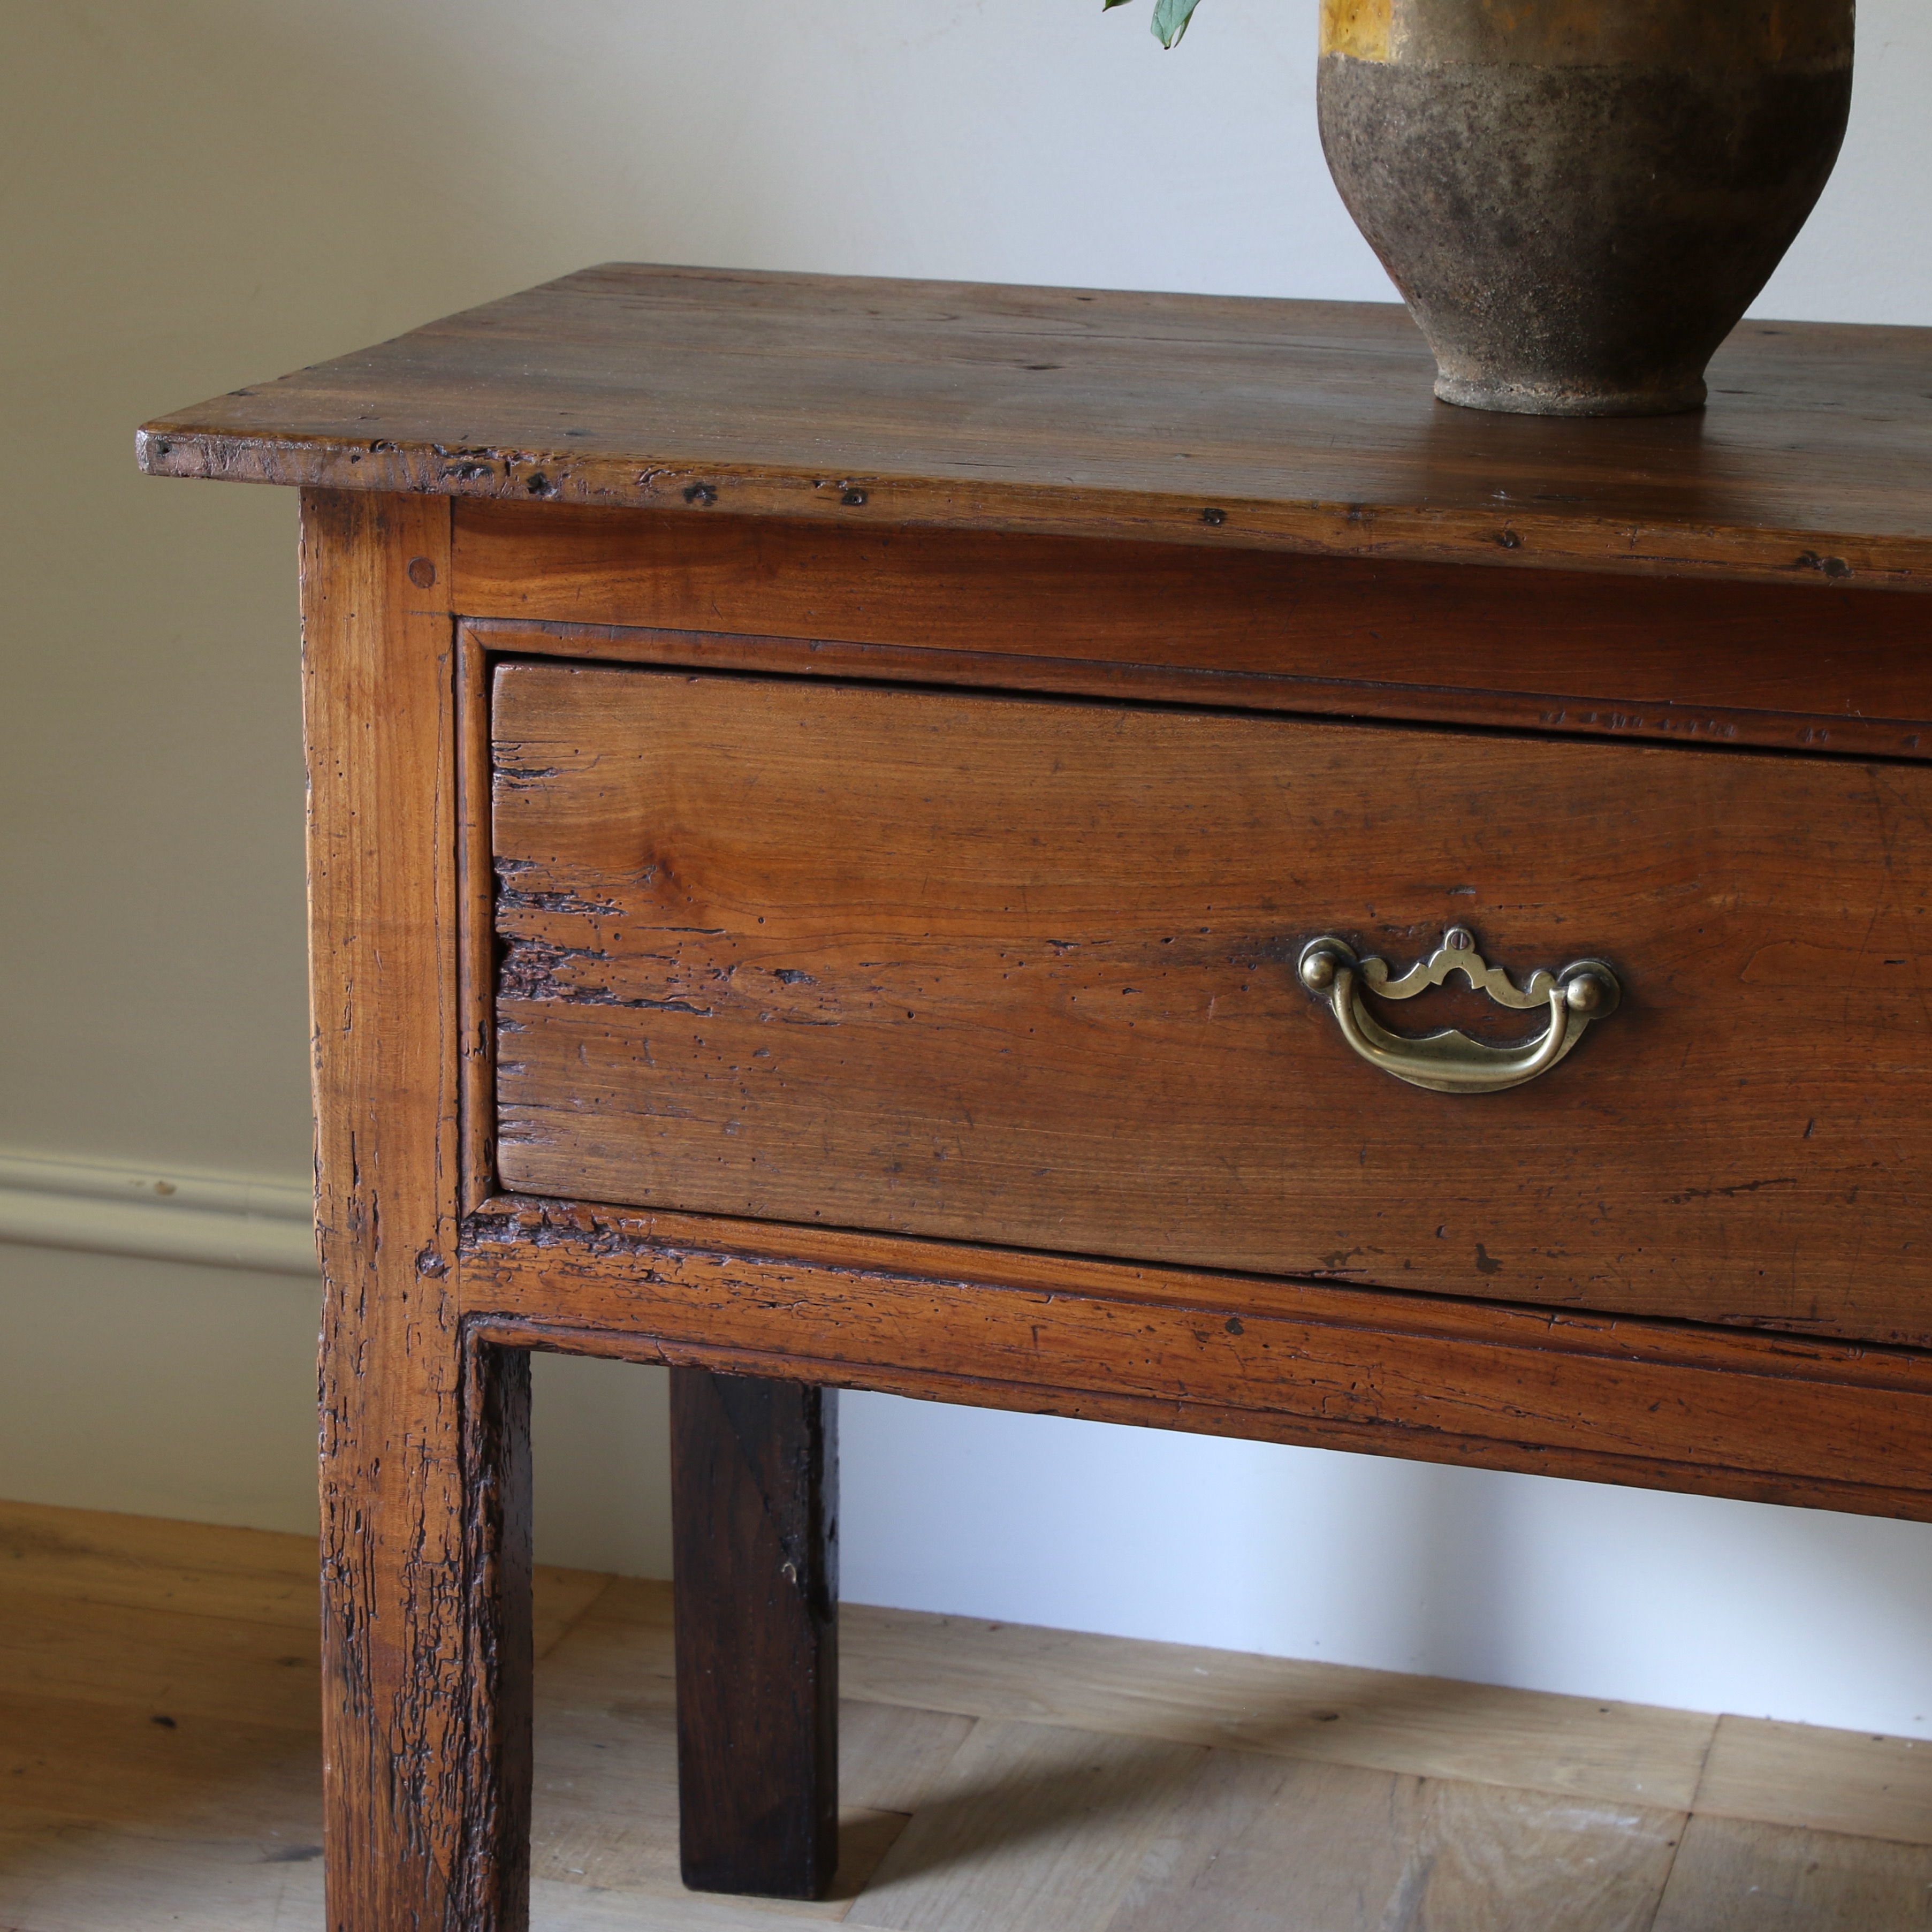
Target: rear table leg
x: 754, y: 1508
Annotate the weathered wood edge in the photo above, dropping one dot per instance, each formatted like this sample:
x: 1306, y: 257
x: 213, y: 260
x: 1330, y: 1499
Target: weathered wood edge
x: 677, y: 484
x: 548, y: 1223
x: 425, y: 1510
x: 476, y: 1003
x: 494, y: 1892
x: 1280, y: 693
x: 1202, y: 1417
x: 1423, y: 1378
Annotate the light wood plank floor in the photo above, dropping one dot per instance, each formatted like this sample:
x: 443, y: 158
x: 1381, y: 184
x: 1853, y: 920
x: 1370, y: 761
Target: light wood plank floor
x: 158, y: 1768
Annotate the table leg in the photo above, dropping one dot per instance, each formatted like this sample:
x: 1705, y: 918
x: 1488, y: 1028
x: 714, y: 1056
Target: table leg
x: 425, y: 1515
x: 755, y: 1502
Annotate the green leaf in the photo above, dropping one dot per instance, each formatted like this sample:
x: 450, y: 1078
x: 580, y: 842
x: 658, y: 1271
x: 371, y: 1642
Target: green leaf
x: 1170, y: 20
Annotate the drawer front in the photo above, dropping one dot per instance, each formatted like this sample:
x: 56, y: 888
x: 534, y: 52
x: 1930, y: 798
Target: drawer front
x: 1025, y: 972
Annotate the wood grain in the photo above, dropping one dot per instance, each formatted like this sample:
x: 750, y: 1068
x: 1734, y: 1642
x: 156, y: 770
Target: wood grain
x: 915, y: 1682
x: 494, y: 1802
x: 1252, y: 1845
x: 66, y: 1565
x: 1035, y: 1827
x: 779, y: 950
x: 1847, y: 1782
x: 559, y: 1597
x: 426, y: 1640
x: 1029, y: 1828
x: 568, y: 1906
x: 1672, y: 659
x: 108, y: 1819
x: 1734, y: 1876
x: 891, y: 1753
x: 964, y: 966
x: 477, y: 957
x: 181, y: 1666
x: 101, y: 1878
x: 1614, y: 1754
x: 76, y: 1762
x: 754, y: 1505
x: 1228, y: 422
x: 1664, y: 1406
x: 147, y: 1563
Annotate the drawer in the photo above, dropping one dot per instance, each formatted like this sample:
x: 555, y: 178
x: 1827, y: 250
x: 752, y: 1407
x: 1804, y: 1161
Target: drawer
x: 1025, y: 971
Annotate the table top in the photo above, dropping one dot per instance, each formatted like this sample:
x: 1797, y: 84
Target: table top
x: 1288, y: 425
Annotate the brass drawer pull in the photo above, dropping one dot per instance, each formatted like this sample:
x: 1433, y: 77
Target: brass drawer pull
x: 1450, y: 1062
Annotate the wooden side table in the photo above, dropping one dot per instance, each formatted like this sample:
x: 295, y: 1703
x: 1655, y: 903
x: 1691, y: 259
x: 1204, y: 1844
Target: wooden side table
x: 883, y: 835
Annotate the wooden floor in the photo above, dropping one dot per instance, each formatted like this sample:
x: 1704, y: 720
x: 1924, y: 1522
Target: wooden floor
x: 158, y: 1768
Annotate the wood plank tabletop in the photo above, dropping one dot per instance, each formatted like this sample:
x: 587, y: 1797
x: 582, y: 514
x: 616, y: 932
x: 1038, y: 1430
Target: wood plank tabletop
x: 1288, y: 425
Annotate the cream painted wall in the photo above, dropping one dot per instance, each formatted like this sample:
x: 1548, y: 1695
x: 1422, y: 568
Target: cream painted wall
x: 193, y: 193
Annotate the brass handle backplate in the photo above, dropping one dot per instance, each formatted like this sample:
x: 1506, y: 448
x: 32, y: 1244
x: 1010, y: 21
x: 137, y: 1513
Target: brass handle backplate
x: 1450, y: 1062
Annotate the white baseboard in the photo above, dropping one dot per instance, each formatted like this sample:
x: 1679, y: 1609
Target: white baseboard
x: 219, y: 1220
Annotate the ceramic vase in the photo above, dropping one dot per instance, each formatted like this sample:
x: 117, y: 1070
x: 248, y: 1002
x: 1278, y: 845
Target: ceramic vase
x: 1578, y: 199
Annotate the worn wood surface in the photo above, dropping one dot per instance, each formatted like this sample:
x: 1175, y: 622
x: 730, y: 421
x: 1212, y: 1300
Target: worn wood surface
x: 1837, y: 1781
x: 490, y: 1794
x: 1433, y: 1727
x: 475, y: 938
x: 1232, y: 422
x: 424, y: 1490
x: 1677, y: 659
x: 1256, y: 1845
x: 755, y: 1503
x: 1031, y: 1828
x: 1669, y: 1405
x: 1081, y: 912
x: 985, y: 968
x: 1056, y: 1767
x: 1732, y: 1875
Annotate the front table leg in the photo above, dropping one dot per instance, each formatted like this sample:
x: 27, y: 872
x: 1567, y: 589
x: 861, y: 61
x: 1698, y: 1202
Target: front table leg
x: 425, y: 1517
x: 754, y: 1508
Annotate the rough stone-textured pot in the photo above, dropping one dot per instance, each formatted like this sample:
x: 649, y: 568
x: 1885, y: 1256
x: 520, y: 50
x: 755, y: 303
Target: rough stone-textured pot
x: 1578, y: 199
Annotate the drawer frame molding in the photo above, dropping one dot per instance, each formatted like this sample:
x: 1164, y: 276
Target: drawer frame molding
x: 1310, y: 1360
x: 1653, y: 1404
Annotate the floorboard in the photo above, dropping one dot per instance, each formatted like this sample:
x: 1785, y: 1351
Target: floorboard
x: 1261, y: 1842
x: 1844, y: 1781
x: 160, y: 1767
x: 1625, y: 1753
x: 1738, y: 1875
